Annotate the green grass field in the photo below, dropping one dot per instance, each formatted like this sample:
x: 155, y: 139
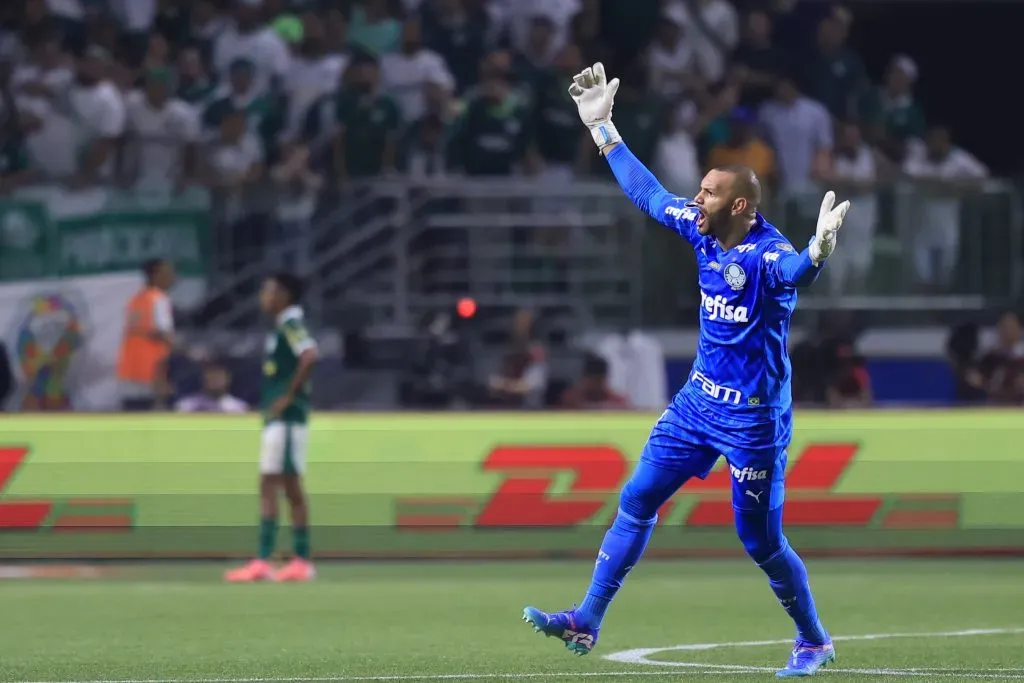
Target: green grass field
x: 450, y: 621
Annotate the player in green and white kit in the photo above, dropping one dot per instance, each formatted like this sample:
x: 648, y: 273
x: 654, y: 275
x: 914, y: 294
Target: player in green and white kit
x: 290, y: 356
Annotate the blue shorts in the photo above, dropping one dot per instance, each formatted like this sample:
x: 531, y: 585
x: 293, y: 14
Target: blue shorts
x: 689, y: 438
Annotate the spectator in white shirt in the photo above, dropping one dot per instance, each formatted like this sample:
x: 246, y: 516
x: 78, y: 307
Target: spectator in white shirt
x: 235, y: 165
x: 675, y: 156
x: 234, y: 162
x: 800, y: 130
x: 312, y: 73
x: 215, y: 396
x: 73, y: 10
x: 715, y: 35
x: 162, y: 132
x: 39, y: 87
x: 297, y: 186
x: 671, y: 61
x: 405, y: 75
x: 205, y: 26
x: 47, y: 72
x: 943, y: 172
x: 518, y: 15
x: 238, y: 93
x: 247, y: 37
x: 854, y: 176
x: 423, y: 155
x: 135, y: 18
x: 98, y: 109
x: 541, y: 46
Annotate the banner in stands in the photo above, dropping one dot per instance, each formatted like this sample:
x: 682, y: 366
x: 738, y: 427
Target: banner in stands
x: 515, y: 485
x: 62, y: 338
x: 64, y: 235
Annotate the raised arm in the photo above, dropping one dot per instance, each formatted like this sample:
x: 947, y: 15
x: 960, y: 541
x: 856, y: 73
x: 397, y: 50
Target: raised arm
x: 594, y: 97
x: 786, y: 268
x: 649, y: 195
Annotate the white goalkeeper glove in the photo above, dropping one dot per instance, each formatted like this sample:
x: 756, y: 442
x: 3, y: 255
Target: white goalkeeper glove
x: 829, y: 221
x: 594, y: 97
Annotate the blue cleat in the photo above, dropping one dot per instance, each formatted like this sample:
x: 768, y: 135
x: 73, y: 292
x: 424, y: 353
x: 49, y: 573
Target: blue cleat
x: 579, y: 639
x: 807, y: 659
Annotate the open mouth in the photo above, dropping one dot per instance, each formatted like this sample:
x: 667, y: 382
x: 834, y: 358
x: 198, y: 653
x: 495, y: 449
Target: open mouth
x: 703, y: 217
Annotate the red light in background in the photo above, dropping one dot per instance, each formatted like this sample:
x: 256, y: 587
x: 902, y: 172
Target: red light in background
x: 466, y: 307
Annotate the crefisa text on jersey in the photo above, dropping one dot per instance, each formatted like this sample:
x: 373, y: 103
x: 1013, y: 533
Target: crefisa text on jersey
x: 682, y: 213
x: 747, y: 474
x: 719, y: 308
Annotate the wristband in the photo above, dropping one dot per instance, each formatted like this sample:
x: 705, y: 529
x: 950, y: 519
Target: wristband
x: 604, y: 134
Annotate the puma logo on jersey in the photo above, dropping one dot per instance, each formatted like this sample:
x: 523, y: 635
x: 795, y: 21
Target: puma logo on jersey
x: 773, y: 256
x: 718, y: 308
x: 744, y: 248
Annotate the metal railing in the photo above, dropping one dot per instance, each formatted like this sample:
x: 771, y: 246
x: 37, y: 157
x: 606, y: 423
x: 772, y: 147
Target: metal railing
x: 880, y: 259
x: 396, y: 250
x: 414, y: 248
x: 934, y: 247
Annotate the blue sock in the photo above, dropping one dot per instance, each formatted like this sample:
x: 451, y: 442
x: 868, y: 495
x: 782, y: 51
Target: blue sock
x: 622, y: 548
x: 648, y: 488
x: 592, y: 609
x: 761, y: 533
x: 787, y: 576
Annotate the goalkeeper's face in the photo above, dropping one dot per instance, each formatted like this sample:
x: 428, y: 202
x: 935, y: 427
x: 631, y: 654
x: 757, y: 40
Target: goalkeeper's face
x: 715, y: 202
x: 727, y: 194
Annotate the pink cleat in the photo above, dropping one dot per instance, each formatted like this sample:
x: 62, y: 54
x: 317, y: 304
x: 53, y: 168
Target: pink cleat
x: 255, y: 570
x: 296, y: 570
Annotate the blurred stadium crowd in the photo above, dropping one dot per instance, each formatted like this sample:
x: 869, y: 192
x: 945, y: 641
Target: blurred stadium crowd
x: 314, y: 96
x: 404, y: 78
x: 304, y: 101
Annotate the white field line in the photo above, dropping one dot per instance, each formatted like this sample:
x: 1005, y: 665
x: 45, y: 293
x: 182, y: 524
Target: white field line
x: 641, y: 656
x: 989, y: 674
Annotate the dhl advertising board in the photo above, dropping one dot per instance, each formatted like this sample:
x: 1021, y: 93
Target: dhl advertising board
x: 493, y: 485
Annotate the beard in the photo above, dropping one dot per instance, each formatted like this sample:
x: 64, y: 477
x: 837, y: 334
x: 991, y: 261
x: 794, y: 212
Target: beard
x: 713, y: 223
x: 705, y: 221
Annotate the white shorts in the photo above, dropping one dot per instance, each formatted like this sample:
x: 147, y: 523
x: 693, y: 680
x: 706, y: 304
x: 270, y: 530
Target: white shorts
x: 283, y: 448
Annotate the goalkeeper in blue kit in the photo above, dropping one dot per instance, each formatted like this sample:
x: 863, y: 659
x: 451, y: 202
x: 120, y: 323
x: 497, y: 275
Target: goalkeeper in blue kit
x: 737, y: 400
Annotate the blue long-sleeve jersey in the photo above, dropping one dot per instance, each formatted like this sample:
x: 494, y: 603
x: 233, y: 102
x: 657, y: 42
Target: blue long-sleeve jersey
x: 747, y: 293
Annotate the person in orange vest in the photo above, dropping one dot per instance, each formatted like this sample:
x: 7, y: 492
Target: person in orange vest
x: 148, y: 340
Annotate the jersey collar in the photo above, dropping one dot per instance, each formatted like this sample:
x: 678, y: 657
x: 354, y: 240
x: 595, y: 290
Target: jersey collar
x: 289, y: 313
x: 758, y: 224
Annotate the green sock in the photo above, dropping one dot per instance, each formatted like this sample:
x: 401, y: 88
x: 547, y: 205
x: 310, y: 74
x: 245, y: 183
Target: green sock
x: 268, y: 537
x: 300, y: 537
